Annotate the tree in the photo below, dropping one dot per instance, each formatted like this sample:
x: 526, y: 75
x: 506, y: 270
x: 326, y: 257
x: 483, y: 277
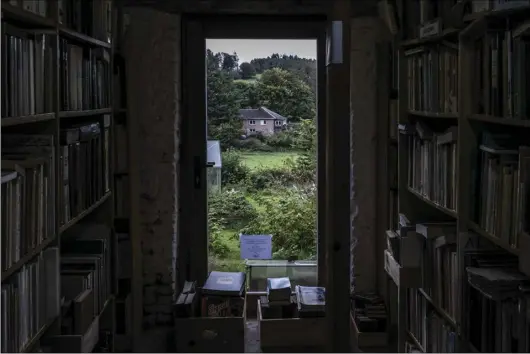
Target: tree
x: 222, y: 97
x: 247, y: 93
x: 247, y: 70
x: 230, y: 61
x: 283, y: 92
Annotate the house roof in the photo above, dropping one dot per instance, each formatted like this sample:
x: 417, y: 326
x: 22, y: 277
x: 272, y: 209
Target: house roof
x: 213, y: 152
x: 260, y: 113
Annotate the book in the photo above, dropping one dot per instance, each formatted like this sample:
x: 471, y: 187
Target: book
x: 278, y: 290
x: 27, y: 71
x: 432, y: 165
x: 311, y: 301
x: 224, y: 284
x: 30, y: 300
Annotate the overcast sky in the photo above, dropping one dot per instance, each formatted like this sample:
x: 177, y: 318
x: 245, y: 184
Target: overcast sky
x: 248, y: 49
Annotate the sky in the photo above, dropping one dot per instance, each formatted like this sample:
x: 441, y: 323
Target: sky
x: 248, y: 49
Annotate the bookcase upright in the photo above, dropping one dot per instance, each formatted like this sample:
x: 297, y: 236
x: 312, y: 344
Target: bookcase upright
x: 463, y: 168
x: 58, y: 241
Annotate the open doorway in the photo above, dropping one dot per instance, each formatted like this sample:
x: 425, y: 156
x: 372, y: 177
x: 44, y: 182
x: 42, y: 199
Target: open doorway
x: 255, y: 165
x: 262, y: 155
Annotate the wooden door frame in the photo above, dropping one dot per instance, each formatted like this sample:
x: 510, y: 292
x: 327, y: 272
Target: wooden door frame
x: 192, y: 249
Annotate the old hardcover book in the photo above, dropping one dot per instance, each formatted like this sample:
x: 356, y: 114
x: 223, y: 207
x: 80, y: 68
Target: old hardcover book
x: 311, y: 301
x: 278, y: 290
x: 225, y: 284
x: 83, y: 311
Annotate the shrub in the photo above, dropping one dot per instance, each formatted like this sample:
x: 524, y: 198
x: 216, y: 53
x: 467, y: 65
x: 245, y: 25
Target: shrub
x: 253, y: 144
x: 230, y: 209
x: 290, y: 216
x: 269, y: 177
x: 233, y: 171
x: 283, y: 139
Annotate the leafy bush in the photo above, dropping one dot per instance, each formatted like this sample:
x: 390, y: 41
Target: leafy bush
x: 233, y: 171
x: 217, y: 246
x: 269, y: 177
x: 230, y: 209
x: 280, y: 140
x: 253, y: 144
x: 290, y: 216
x: 226, y: 132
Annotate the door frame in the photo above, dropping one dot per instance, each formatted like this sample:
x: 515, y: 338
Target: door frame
x: 192, y: 248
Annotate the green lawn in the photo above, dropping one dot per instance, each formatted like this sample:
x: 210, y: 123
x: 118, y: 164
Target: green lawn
x: 255, y: 160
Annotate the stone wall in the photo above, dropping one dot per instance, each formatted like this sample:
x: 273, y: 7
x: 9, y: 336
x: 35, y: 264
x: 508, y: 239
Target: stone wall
x: 152, y: 53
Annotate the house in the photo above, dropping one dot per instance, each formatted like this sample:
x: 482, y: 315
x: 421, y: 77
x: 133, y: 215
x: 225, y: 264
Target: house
x: 213, y: 173
x: 261, y: 120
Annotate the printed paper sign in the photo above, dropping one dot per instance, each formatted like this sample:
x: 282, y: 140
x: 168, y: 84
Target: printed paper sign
x: 256, y: 246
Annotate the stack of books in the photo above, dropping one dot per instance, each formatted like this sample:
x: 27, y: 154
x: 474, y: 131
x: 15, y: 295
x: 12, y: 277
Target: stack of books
x: 223, y: 295
x: 311, y: 301
x: 279, y: 302
x: 279, y: 291
x: 370, y: 313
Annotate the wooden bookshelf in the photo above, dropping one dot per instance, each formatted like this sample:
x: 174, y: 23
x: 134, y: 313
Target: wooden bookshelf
x: 57, y: 142
x: 482, y: 101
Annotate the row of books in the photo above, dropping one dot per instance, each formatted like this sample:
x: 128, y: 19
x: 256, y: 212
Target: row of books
x: 27, y: 72
x: 502, y: 87
x: 433, y: 78
x: 93, y: 18
x: 37, y: 7
x: 439, y: 265
x: 84, y: 77
x: 432, y: 164
x: 504, y: 188
x: 85, y: 162
x: 85, y: 275
x: 431, y: 331
x: 29, y: 199
x: 370, y: 313
x: 497, y: 296
x: 30, y: 301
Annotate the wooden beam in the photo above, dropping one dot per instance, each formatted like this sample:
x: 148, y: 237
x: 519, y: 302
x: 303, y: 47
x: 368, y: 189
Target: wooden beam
x: 338, y: 176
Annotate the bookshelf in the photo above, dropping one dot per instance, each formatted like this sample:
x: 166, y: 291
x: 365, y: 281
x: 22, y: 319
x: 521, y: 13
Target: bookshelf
x: 58, y: 243
x: 461, y: 230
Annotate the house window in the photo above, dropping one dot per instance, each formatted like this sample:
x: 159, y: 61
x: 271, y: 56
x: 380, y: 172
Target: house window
x: 252, y: 122
x: 263, y: 122
x: 252, y: 130
x: 278, y: 123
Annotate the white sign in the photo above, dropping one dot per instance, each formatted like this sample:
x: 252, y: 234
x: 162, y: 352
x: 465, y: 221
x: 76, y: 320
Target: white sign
x: 256, y: 246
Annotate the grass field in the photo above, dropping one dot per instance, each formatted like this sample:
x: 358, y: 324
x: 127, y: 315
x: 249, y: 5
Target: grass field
x: 256, y: 160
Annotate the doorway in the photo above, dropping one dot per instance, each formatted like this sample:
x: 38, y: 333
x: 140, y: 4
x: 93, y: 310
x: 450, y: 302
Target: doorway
x: 197, y: 173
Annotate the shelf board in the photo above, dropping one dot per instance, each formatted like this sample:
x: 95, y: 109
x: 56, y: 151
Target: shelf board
x: 19, y: 14
x: 26, y: 258
x: 29, y: 346
x: 525, y: 123
x: 495, y: 240
x: 438, y: 309
x: 426, y: 114
x: 66, y: 32
x: 11, y: 121
x: 415, y: 341
x: 85, y: 113
x: 498, y: 14
x: 84, y: 213
x: 420, y: 41
x: 449, y: 212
